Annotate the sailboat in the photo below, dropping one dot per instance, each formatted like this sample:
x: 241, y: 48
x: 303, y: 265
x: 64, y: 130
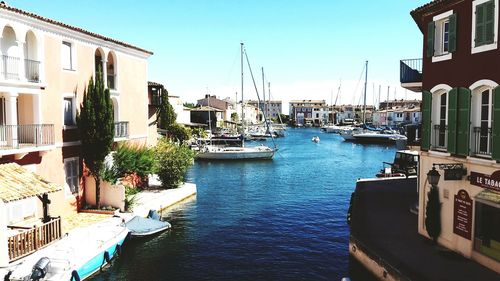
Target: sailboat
x: 364, y: 134
x: 261, y: 152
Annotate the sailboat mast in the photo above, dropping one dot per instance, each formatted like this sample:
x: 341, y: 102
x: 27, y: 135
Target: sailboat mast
x: 264, y: 94
x: 387, y: 107
x: 364, y: 98
x: 242, y: 102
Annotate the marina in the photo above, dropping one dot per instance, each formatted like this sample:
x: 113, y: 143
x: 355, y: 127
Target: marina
x: 258, y: 220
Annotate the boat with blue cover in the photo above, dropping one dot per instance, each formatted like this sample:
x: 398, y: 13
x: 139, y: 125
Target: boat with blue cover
x: 140, y: 227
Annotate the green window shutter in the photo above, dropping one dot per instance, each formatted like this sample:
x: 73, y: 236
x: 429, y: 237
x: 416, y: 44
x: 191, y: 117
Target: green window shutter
x: 452, y: 35
x: 430, y: 39
x: 426, y: 120
x: 452, y: 120
x: 480, y: 25
x: 463, y: 121
x: 489, y: 22
x: 496, y: 125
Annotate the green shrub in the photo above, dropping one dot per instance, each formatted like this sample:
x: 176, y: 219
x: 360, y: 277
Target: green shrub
x: 130, y: 201
x: 179, y: 132
x: 129, y: 159
x: 199, y: 132
x: 172, y: 162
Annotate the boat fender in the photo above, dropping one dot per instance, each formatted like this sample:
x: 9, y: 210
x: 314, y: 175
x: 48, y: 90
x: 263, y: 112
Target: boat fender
x: 106, y: 257
x: 118, y: 249
x: 75, y: 276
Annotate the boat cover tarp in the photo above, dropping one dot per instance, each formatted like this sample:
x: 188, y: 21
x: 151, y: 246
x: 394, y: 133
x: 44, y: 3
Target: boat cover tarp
x: 139, y: 225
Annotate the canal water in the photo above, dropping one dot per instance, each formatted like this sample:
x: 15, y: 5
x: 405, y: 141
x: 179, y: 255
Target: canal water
x: 283, y: 219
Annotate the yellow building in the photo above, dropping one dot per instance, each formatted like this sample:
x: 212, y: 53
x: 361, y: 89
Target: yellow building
x: 45, y: 66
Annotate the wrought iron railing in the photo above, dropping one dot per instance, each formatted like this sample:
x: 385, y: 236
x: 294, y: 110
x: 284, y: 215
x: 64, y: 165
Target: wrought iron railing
x: 481, y: 141
x: 440, y: 137
x: 30, y: 240
x: 121, y: 129
x: 23, y: 136
x: 410, y: 70
x: 10, y: 67
x: 32, y: 68
x: 111, y: 81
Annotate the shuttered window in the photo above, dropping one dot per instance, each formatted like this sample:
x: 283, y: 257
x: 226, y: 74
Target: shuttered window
x: 452, y: 120
x: 426, y: 120
x: 452, y: 37
x: 485, y: 23
x: 463, y: 121
x: 430, y: 39
x: 496, y: 125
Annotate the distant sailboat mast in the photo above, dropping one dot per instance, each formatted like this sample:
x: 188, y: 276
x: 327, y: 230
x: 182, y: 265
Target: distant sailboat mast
x: 364, y: 98
x: 242, y: 101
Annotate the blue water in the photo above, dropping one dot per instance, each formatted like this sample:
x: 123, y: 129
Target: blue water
x: 283, y: 219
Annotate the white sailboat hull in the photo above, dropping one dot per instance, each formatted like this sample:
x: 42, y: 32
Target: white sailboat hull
x: 235, y: 153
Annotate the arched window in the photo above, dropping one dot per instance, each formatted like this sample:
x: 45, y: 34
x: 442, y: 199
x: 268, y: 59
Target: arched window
x: 481, y: 120
x: 10, y: 54
x: 98, y: 61
x: 111, y: 71
x: 32, y: 64
x: 440, y: 120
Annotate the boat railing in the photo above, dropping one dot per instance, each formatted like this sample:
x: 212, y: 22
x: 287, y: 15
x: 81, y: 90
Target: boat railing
x: 482, y: 141
x: 29, y: 240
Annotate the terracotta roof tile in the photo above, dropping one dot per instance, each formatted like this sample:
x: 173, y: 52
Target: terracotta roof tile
x: 16, y: 183
x: 4, y: 6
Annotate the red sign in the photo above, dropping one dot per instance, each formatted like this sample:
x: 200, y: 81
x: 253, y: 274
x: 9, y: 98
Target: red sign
x: 486, y: 181
x: 462, y: 214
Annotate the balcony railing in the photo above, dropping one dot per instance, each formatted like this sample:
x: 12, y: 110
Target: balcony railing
x: 10, y: 68
x: 30, y: 240
x: 24, y: 136
x: 482, y: 141
x: 111, y: 81
x: 410, y: 70
x: 440, y: 137
x: 121, y: 129
x: 32, y: 68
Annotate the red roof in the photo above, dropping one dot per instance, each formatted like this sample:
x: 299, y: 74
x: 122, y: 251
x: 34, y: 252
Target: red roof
x: 4, y: 6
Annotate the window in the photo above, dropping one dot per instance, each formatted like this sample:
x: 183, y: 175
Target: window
x: 441, y: 36
x: 20, y: 210
x: 484, y: 25
x: 442, y: 121
x: 69, y: 111
x: 482, y: 119
x: 71, y: 174
x: 67, y: 55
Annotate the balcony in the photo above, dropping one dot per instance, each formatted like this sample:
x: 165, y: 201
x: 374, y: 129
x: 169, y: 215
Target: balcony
x: 411, y: 74
x: 111, y: 81
x: 10, y: 69
x: 121, y: 129
x: 26, y: 136
x: 31, y: 239
x: 481, y: 141
x: 440, y: 137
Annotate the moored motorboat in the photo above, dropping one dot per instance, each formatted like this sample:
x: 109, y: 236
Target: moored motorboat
x: 69, y: 259
x: 210, y: 152
x: 141, y: 227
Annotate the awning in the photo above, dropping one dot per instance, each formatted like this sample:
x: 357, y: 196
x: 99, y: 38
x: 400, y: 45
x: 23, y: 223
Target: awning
x: 489, y: 197
x: 16, y: 183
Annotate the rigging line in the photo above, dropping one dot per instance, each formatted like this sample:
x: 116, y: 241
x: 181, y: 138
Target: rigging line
x: 257, y: 91
x: 357, y: 85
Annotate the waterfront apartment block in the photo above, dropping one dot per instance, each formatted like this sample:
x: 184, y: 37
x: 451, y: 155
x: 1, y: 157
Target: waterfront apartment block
x: 45, y: 66
x: 397, y: 116
x: 271, y: 108
x: 459, y: 78
x: 309, y: 112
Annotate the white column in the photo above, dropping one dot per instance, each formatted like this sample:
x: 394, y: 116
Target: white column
x: 11, y: 117
x: 22, y: 63
x: 105, y: 72
x: 4, y: 247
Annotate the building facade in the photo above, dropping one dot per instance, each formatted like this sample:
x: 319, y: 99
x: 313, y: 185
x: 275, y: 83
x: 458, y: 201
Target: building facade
x: 272, y: 108
x: 46, y: 66
x: 312, y: 112
x: 459, y: 78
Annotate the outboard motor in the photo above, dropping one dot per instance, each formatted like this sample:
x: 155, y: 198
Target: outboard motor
x: 40, y: 269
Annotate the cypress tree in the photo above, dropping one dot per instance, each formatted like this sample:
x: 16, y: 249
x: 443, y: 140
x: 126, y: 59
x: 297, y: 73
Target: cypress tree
x: 166, y: 114
x: 433, y: 214
x: 96, y: 125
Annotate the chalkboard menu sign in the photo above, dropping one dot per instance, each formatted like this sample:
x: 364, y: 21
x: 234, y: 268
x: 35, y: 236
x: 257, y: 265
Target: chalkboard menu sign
x: 462, y: 214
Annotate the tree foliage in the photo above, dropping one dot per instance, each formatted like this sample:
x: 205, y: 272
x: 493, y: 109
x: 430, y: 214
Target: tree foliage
x: 172, y: 162
x: 433, y: 214
x: 166, y: 113
x: 179, y: 132
x: 96, y: 125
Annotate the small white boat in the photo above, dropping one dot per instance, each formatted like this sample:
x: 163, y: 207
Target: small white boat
x: 330, y: 128
x: 141, y: 227
x: 315, y: 139
x: 69, y: 258
x: 211, y: 152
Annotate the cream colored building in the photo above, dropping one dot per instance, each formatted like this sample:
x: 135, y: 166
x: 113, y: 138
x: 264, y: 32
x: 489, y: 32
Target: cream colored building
x: 45, y: 66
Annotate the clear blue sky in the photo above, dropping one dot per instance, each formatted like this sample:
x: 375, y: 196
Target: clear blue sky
x: 305, y: 46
